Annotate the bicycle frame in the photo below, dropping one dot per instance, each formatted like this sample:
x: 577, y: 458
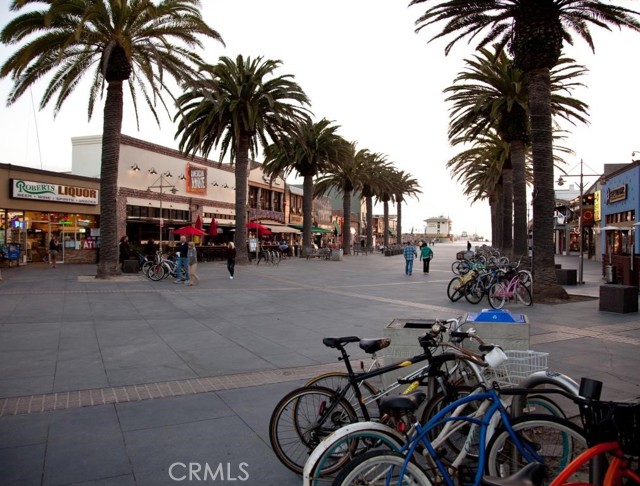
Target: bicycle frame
x: 617, y: 470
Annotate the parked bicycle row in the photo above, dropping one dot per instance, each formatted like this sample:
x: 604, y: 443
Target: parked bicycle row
x: 501, y: 281
x: 454, y: 423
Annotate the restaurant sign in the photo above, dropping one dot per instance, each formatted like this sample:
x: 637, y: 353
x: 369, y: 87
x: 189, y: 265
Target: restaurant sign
x: 616, y: 194
x: 45, y: 191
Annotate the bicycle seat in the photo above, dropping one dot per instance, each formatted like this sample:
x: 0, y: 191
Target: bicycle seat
x: 374, y: 345
x: 402, y: 402
x: 532, y: 474
x: 338, y: 342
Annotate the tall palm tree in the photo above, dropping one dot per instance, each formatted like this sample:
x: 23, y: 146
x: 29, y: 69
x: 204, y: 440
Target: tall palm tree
x: 405, y: 185
x: 239, y: 105
x: 385, y: 195
x: 535, y: 31
x: 343, y: 177
x: 373, y: 182
x: 140, y: 42
x: 308, y: 151
x: 490, y: 92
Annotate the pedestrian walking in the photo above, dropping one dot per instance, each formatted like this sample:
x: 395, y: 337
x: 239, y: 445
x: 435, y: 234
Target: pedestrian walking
x: 124, y: 252
x: 409, y: 254
x: 231, y: 259
x: 183, y: 262
x: 426, y: 254
x: 193, y: 264
x: 468, y: 246
x: 53, y: 251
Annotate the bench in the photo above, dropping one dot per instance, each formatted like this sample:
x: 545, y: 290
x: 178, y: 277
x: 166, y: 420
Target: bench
x: 358, y: 250
x: 618, y: 298
x: 321, y: 254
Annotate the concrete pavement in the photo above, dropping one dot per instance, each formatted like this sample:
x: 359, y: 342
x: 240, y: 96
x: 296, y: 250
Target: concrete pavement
x: 124, y: 382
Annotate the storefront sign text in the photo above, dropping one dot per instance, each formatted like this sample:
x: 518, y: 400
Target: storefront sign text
x: 617, y: 194
x: 44, y: 191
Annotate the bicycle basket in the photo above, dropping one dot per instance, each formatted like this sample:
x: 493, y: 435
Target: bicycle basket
x: 609, y: 421
x: 518, y: 366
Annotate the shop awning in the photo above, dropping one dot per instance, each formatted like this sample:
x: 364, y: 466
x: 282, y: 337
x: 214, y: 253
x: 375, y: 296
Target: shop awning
x: 314, y: 229
x: 281, y: 228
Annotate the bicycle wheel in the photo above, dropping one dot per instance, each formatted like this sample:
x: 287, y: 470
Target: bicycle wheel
x: 497, y: 295
x: 146, y: 266
x: 300, y: 421
x: 338, y: 380
x: 554, y: 441
x: 455, y: 267
x: 523, y: 294
x: 382, y: 467
x: 157, y: 272
x: 319, y: 469
x: 526, y: 278
x: 475, y: 292
x: 453, y: 289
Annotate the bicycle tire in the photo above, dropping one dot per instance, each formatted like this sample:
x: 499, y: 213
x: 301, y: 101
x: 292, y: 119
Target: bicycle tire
x: 557, y: 442
x: 294, y: 429
x: 453, y: 289
x: 526, y: 278
x: 145, y: 267
x: 455, y: 267
x: 496, y: 295
x: 157, y: 272
x: 386, y: 465
x: 345, y: 450
x: 523, y: 294
x: 337, y: 380
x: 475, y: 292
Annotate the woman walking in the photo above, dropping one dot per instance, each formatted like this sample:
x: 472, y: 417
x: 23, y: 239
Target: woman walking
x: 231, y: 259
x: 192, y: 255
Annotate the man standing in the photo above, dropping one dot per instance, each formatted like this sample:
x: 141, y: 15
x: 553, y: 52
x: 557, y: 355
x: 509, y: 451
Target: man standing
x: 409, y: 255
x: 426, y: 254
x: 183, y: 262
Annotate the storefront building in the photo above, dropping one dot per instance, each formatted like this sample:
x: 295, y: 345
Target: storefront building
x: 620, y: 206
x: 36, y: 205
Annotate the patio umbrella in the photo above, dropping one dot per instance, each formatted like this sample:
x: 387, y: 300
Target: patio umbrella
x: 190, y: 231
x: 213, y: 228
x: 198, y: 224
x: 260, y: 228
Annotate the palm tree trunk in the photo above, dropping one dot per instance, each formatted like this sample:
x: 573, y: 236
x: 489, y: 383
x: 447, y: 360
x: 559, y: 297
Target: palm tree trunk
x: 545, y: 280
x: 112, y: 125
x: 307, y: 207
x: 242, y: 178
x: 385, y: 238
x: 499, y: 194
x: 507, y: 211
x: 518, y: 163
x: 369, y: 202
x: 399, y: 219
x: 346, y: 221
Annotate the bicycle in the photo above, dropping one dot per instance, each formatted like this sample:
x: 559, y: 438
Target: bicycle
x: 306, y: 415
x: 613, y: 435
x: 532, y: 438
x: 500, y: 292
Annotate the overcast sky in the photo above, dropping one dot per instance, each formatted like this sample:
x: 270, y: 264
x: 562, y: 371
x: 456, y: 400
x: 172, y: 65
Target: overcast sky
x: 363, y: 67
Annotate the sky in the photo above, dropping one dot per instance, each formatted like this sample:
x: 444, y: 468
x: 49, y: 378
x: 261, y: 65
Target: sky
x: 363, y: 67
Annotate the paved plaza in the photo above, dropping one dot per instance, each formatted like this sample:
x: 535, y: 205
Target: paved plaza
x: 126, y: 382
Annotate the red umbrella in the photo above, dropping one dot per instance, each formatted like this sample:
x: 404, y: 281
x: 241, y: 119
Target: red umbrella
x: 198, y: 224
x: 261, y: 229
x: 189, y: 230
x: 213, y: 229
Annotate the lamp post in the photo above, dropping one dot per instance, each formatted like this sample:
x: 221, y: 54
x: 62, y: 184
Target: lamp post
x: 161, y: 184
x: 581, y: 187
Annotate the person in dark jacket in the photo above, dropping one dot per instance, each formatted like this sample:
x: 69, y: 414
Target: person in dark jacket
x: 231, y: 259
x: 125, y: 251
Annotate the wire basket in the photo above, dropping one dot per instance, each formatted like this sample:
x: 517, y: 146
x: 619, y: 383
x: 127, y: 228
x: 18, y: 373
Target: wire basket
x: 609, y: 421
x: 518, y: 366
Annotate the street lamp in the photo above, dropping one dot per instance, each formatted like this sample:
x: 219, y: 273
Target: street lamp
x: 163, y: 184
x: 560, y: 182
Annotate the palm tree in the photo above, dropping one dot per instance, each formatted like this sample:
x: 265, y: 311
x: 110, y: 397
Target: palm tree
x: 535, y: 31
x: 490, y: 92
x: 373, y: 182
x: 239, y: 105
x: 344, y: 177
x: 404, y: 185
x: 140, y: 42
x: 385, y: 195
x: 308, y: 151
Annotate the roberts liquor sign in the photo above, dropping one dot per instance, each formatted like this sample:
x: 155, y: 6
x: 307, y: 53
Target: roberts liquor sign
x: 45, y: 191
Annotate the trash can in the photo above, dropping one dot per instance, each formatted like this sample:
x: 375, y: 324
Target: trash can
x: 511, y: 331
x: 610, y: 273
x: 336, y: 255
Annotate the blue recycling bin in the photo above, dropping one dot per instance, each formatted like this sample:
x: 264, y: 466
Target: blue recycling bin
x: 11, y: 252
x: 497, y: 316
x: 511, y: 331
